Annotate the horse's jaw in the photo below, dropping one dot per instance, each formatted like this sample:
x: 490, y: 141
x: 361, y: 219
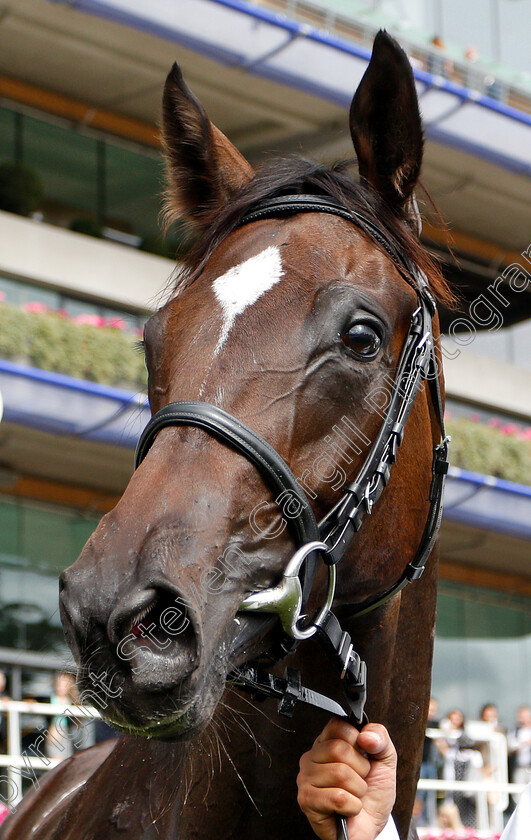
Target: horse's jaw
x: 141, y: 697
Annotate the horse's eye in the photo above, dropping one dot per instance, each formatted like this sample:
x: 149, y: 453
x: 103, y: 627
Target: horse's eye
x: 363, y: 340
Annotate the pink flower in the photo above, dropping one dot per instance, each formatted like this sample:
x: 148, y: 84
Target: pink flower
x: 495, y: 422
x: 63, y: 314
x: 526, y: 434
x: 117, y: 324
x: 4, y: 812
x: 2, y: 295
x: 34, y: 306
x: 510, y: 429
x: 91, y: 320
x: 474, y: 417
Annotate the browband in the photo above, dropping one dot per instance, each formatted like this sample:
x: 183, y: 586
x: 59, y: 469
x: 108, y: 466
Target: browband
x: 289, y: 205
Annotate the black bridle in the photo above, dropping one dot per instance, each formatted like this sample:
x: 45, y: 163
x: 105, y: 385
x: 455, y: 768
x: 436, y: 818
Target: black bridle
x: 330, y: 538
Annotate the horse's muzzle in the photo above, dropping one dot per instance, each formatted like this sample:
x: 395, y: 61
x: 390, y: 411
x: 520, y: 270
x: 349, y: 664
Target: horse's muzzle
x: 153, y: 633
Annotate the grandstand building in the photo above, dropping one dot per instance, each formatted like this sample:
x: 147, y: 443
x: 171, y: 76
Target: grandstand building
x: 82, y: 262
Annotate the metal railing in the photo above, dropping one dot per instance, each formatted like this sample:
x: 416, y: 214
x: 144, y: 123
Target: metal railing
x: 19, y: 661
x: 474, y: 76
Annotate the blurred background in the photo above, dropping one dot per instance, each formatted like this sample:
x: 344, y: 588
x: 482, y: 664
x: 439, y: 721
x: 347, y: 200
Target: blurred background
x: 83, y: 261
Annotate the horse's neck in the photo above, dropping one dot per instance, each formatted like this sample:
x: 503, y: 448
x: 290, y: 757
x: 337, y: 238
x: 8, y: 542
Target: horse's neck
x: 136, y: 792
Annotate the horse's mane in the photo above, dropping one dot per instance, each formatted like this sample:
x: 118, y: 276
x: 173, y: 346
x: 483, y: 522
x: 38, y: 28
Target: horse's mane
x: 295, y: 176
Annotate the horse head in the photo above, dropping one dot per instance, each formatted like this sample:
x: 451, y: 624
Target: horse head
x: 294, y: 324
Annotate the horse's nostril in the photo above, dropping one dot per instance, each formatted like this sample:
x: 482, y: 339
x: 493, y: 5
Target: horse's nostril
x: 126, y: 613
x: 155, y: 621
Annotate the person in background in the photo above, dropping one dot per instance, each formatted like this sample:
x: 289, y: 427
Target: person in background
x: 489, y: 714
x: 454, y: 722
x: 431, y: 761
x: 59, y: 736
x: 448, y: 817
x: 354, y: 773
x: 519, y: 743
x: 462, y: 761
x: 471, y: 54
x: 3, y: 686
x: 490, y: 724
x: 3, y: 718
x: 438, y: 63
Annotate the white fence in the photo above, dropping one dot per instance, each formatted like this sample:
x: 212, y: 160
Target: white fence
x: 486, y: 796
x: 17, y: 764
x: 490, y: 795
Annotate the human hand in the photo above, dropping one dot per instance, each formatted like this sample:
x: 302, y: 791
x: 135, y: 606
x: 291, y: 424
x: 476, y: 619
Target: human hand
x: 349, y: 773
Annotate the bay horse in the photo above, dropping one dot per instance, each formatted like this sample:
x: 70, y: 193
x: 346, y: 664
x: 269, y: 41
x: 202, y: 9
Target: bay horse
x: 289, y: 322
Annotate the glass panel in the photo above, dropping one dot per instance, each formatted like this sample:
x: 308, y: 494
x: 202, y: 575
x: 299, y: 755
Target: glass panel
x: 66, y: 162
x: 20, y: 293
x: 87, y: 178
x: 482, y: 650
x: 481, y: 613
x: 9, y: 531
x: 32, y: 294
x: 80, y: 530
x: 37, y: 543
x: 7, y: 135
x: 30, y: 614
x: 132, y: 322
x: 79, y: 307
x: 134, y: 184
x: 44, y: 543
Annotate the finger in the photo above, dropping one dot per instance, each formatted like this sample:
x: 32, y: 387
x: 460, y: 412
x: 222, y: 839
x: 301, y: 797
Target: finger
x: 336, y: 728
x: 332, y: 776
x: 340, y: 752
x: 376, y: 741
x: 317, y: 803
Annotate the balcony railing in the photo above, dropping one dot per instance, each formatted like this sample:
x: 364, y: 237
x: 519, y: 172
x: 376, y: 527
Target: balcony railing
x: 487, y: 79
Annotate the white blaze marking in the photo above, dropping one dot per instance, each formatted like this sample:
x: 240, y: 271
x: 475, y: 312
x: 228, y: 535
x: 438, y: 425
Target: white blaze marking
x: 242, y: 285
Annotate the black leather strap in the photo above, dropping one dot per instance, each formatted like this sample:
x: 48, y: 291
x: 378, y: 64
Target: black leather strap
x: 288, y: 689
x: 353, y: 671
x: 415, y: 567
x: 252, y: 446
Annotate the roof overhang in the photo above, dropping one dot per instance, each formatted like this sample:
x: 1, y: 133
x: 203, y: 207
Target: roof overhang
x: 62, y: 405
x: 488, y: 503
x: 274, y: 47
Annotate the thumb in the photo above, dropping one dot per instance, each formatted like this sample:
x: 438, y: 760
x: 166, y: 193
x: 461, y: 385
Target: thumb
x: 375, y: 740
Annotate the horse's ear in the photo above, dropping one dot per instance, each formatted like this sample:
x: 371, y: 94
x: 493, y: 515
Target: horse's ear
x: 204, y: 168
x: 385, y: 124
